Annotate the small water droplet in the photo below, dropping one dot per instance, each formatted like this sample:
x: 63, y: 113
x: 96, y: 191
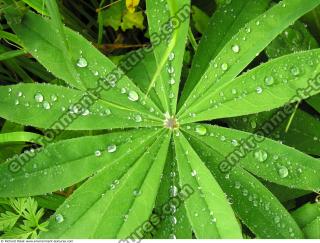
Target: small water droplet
x: 224, y: 66
x: 59, y: 218
x: 97, y: 153
x: 171, y: 56
x: 193, y: 173
x: 259, y: 90
x: 295, y: 71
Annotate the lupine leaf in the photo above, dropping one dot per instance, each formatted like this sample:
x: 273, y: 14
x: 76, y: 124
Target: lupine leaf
x: 208, y: 210
x: 243, y: 48
x: 64, y: 160
x: 252, y: 202
x: 135, y: 179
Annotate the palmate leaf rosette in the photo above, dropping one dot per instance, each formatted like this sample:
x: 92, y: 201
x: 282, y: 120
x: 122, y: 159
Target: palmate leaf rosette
x: 151, y: 146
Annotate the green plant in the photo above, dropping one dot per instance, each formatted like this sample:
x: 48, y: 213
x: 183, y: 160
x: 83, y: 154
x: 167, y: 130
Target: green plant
x: 147, y: 143
x: 21, y: 218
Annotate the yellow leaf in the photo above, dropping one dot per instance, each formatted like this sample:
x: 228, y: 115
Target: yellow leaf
x: 131, y: 5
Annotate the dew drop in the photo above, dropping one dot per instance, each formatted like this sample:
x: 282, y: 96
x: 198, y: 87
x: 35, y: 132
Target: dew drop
x: 172, y: 81
x: 38, y: 97
x: 283, y: 172
x: 235, y: 48
x: 295, y: 71
x: 201, y: 130
x: 224, y: 66
x: 46, y: 105
x: 269, y: 80
x: 59, y: 218
x: 97, y: 153
x: 260, y: 155
x: 82, y: 62
x: 138, y: 118
x: 171, y: 56
x: 133, y: 95
x: 193, y: 173
x: 112, y: 148
x: 259, y: 90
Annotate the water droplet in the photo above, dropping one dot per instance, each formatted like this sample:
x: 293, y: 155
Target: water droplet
x: 224, y: 66
x: 112, y: 148
x: 283, y: 172
x: 19, y: 94
x: 172, y: 81
x: 201, y: 130
x: 248, y: 29
x: 82, y: 62
x: 138, y: 118
x: 171, y: 56
x: 269, y: 80
x: 54, y: 98
x: 295, y: 71
x: 133, y: 95
x: 170, y: 70
x: 59, y: 218
x: 259, y: 90
x: 46, y: 105
x: 260, y: 155
x: 38, y: 97
x: 85, y: 112
x: 136, y: 192
x: 193, y: 173
x: 235, y: 48
x: 173, y: 191
x: 123, y: 90
x: 97, y: 153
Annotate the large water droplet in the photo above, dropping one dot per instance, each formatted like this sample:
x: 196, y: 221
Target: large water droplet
x: 97, y: 153
x: 46, y: 105
x: 138, y: 118
x: 201, y: 130
x: 283, y: 172
x: 173, y: 191
x: 235, y: 48
x: 133, y: 95
x: 112, y: 148
x: 269, y: 80
x: 260, y: 155
x: 82, y: 62
x: 38, y: 97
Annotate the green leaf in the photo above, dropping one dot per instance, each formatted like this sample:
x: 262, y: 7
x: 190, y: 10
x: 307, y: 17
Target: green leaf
x: 251, y: 201
x: 243, y: 48
x: 262, y: 157
x: 131, y: 20
x: 287, y: 79
x: 222, y: 26
x: 200, y: 19
x: 67, y: 109
x: 94, y: 71
x: 8, y: 220
x: 306, y: 214
x: 207, y: 208
x: 312, y: 230
x: 63, y: 164
x: 168, y: 50
x: 14, y: 137
x: 174, y: 223
x: 134, y: 182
